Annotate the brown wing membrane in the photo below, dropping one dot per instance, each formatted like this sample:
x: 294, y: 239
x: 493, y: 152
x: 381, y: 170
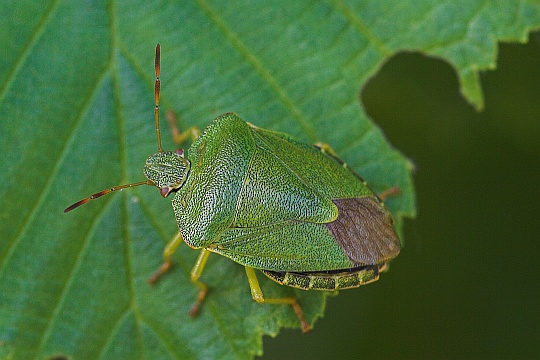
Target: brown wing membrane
x: 365, y: 231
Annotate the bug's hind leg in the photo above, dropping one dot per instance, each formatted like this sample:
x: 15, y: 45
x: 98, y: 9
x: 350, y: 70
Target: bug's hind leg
x: 395, y: 190
x: 180, y: 137
x: 327, y: 149
x: 257, y: 295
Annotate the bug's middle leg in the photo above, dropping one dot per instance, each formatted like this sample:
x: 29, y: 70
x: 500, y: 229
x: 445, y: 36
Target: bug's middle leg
x: 196, y: 273
x: 257, y: 295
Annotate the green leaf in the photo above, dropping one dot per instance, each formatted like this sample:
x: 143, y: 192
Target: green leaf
x: 76, y: 116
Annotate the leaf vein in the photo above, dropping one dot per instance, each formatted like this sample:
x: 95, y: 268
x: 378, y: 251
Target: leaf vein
x: 33, y: 39
x: 257, y: 64
x: 362, y: 28
x: 69, y: 280
x: 52, y: 176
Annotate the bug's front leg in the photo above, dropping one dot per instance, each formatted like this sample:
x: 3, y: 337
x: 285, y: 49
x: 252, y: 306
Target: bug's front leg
x: 257, y: 295
x: 180, y: 137
x: 196, y: 272
x: 170, y: 248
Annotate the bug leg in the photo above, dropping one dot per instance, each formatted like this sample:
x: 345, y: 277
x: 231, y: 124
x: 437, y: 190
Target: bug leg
x: 257, y: 295
x: 389, y: 192
x: 325, y: 148
x: 170, y: 248
x: 196, y: 273
x: 180, y: 137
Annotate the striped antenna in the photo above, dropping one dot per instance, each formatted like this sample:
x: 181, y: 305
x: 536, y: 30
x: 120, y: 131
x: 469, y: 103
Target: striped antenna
x: 156, y: 96
x: 158, y: 134
x: 105, y: 192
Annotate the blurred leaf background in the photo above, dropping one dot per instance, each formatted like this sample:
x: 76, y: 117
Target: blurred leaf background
x: 76, y: 98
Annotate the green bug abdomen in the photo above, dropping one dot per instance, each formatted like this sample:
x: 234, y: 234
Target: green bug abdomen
x: 327, y: 280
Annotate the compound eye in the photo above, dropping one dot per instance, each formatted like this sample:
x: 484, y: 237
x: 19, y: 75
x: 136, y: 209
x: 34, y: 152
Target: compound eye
x: 165, y: 191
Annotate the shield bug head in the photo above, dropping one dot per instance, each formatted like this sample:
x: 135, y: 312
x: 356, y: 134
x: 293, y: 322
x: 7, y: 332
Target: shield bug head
x: 167, y: 170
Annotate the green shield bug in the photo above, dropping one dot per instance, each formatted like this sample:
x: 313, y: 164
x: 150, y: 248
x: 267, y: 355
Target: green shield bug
x: 267, y: 201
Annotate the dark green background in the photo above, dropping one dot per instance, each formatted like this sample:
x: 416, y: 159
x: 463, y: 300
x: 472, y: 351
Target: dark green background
x: 466, y: 284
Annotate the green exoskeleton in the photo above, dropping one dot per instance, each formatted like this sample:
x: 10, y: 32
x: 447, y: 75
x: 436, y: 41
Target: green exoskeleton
x: 267, y: 201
